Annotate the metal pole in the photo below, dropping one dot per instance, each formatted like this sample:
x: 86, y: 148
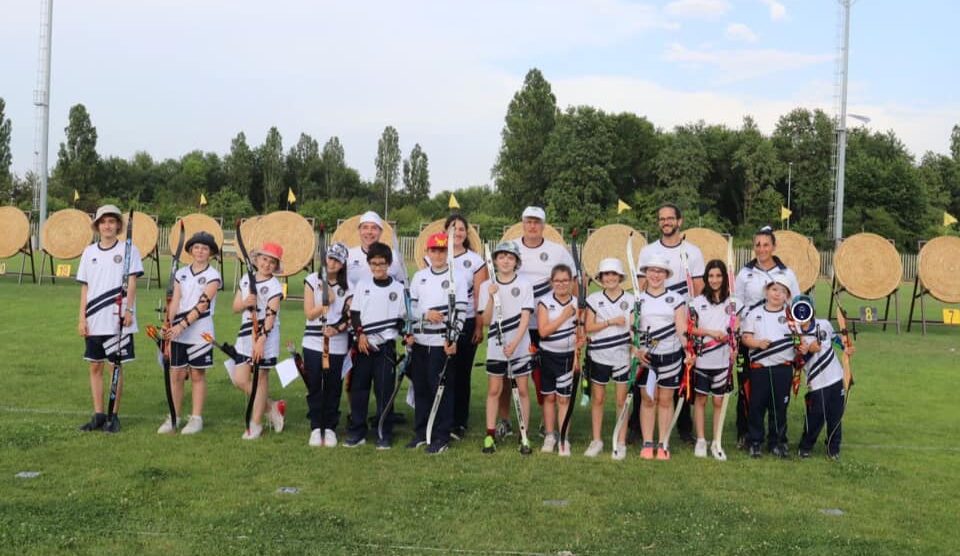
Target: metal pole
x: 842, y: 127
x: 789, y: 182
x: 41, y: 99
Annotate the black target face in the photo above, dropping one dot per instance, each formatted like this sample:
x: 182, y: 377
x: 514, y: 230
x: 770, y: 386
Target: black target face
x: 802, y: 311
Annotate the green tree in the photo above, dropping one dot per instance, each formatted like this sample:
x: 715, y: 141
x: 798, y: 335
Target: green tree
x: 77, y: 161
x: 756, y: 162
x: 416, y: 175
x: 806, y: 139
x: 681, y: 166
x: 519, y: 170
x: 333, y: 164
x: 270, y: 160
x: 6, y: 157
x: 635, y: 146
x: 387, y: 164
x: 239, y: 165
x: 303, y: 161
x: 230, y: 205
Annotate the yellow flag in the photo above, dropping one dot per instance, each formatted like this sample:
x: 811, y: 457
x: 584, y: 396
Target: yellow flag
x: 203, y: 200
x: 291, y: 198
x: 785, y: 212
x: 453, y: 204
x: 948, y: 219
x: 621, y: 206
x: 76, y: 197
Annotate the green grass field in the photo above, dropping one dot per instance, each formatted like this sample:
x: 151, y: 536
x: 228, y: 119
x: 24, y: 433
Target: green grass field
x: 893, y: 493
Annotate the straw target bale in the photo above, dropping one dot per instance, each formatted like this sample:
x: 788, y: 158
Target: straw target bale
x: 800, y: 255
x: 610, y: 241
x: 193, y: 223
x: 868, y: 266
x: 549, y: 232
x: 348, y: 232
x: 145, y: 232
x: 711, y: 244
x: 420, y: 245
x: 291, y: 230
x: 67, y: 233
x: 14, y: 231
x: 939, y: 268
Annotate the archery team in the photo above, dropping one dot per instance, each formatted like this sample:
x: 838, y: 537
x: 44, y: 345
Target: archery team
x: 673, y: 339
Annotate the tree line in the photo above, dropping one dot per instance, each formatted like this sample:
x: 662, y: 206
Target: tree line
x: 578, y: 162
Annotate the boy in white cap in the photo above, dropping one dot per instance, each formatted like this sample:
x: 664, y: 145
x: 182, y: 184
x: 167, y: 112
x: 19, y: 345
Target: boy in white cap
x: 101, y: 275
x: 370, y: 228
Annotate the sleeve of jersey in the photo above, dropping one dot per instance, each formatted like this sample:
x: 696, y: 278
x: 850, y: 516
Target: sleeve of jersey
x: 484, y: 296
x: 740, y: 286
x: 276, y: 290
x: 696, y: 264
x: 136, y: 263
x: 414, y: 296
x: 794, y: 283
x: 527, y: 302
x: 748, y: 321
x: 82, y: 268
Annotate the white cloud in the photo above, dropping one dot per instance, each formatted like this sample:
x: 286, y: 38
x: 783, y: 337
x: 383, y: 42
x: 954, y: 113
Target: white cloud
x: 743, y: 64
x: 777, y: 10
x: 697, y: 8
x: 740, y: 32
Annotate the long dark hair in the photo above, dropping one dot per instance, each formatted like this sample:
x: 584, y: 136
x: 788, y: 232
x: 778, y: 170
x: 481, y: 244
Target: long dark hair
x: 466, y: 226
x: 716, y: 296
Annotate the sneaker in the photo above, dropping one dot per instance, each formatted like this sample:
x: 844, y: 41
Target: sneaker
x: 96, y: 423
x: 619, y: 453
x: 834, y: 457
x: 687, y: 437
x: 503, y: 429
x: 647, y: 451
x: 663, y: 453
x: 277, y: 410
x: 717, y: 451
x: 755, y: 451
x: 634, y: 436
x: 167, y: 427
x: 741, y: 442
x: 525, y: 449
x: 384, y: 444
x: 316, y: 438
x: 355, y: 441
x: 436, y: 448
x: 112, y: 426
x: 489, y: 445
x: 458, y: 433
x: 415, y: 443
x: 549, y: 443
x: 803, y: 454
x: 700, y: 450
x: 330, y: 438
x: 564, y: 450
x: 780, y: 451
x: 193, y: 426
x: 253, y: 432
x: 542, y: 430
x: 594, y: 449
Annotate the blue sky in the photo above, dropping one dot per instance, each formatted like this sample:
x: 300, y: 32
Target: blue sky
x: 170, y: 76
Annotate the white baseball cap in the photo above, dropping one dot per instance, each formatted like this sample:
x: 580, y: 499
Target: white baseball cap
x: 610, y: 265
x: 779, y: 280
x: 534, y: 212
x: 372, y: 218
x: 656, y: 261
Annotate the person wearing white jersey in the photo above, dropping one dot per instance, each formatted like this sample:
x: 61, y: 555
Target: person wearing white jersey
x: 370, y: 228
x: 825, y: 395
x: 712, y: 372
x: 684, y: 258
x: 326, y: 326
x: 608, y: 319
x: 751, y: 284
x: 267, y: 347
x: 100, y: 274
x: 190, y: 314
x: 557, y: 313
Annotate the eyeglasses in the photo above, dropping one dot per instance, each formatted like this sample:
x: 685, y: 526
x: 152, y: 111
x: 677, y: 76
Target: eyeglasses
x: 667, y: 219
x: 379, y: 265
x: 561, y: 281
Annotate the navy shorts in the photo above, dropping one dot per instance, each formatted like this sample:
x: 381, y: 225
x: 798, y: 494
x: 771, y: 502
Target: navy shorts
x: 711, y: 381
x: 195, y: 356
x: 266, y: 363
x: 499, y: 368
x: 602, y: 374
x: 556, y: 373
x: 103, y: 348
x: 667, y: 368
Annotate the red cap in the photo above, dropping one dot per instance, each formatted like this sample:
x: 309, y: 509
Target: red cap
x: 437, y: 241
x: 270, y: 249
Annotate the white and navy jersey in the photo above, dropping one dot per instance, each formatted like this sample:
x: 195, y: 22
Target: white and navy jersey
x: 536, y: 264
x: 564, y: 338
x: 429, y: 291
x: 102, y: 271
x: 267, y: 290
x: 658, y: 319
x: 715, y: 317
x: 677, y: 282
x: 358, y: 269
x: 611, y: 345
x: 336, y: 316
x: 515, y: 296
x: 468, y: 264
x: 823, y: 368
x: 381, y: 309
x: 764, y: 324
x: 751, y: 282
x: 192, y: 285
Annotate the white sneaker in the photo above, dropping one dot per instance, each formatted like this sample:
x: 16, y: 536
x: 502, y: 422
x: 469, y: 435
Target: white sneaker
x: 717, y: 451
x: 594, y: 449
x: 316, y: 438
x: 619, y: 453
x: 254, y: 432
x: 549, y: 443
x: 193, y: 426
x: 564, y: 450
x: 700, y: 450
x: 329, y: 438
x: 167, y: 427
x: 277, y: 409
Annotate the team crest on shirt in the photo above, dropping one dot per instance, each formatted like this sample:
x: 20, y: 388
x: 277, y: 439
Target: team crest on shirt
x: 467, y: 264
x: 822, y: 335
x: 264, y: 290
x: 393, y: 296
x: 669, y: 299
x: 729, y: 309
x: 117, y: 259
x: 515, y: 292
x: 423, y: 280
x: 624, y: 305
x: 445, y: 284
x: 202, y: 280
x: 339, y: 291
x: 782, y: 319
x: 94, y: 261
x: 544, y: 256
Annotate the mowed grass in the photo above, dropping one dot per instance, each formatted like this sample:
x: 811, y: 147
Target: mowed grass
x: 138, y: 492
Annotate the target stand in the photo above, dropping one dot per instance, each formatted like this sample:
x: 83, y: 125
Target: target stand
x: 868, y: 267
x: 14, y: 240
x: 938, y: 276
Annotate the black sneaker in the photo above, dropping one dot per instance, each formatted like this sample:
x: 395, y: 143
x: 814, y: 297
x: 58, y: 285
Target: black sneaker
x: 834, y: 457
x: 803, y: 454
x: 687, y: 438
x: 458, y: 433
x: 741, y: 442
x: 96, y: 423
x: 503, y: 429
x: 781, y: 451
x: 525, y: 449
x: 113, y: 425
x: 755, y: 451
x: 437, y: 448
x: 384, y: 444
x: 355, y: 441
x: 415, y: 443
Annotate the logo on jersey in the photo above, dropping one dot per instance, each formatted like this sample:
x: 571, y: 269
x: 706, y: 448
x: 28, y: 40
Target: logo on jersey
x: 669, y: 299
x: 445, y: 284
x: 515, y: 292
x: 624, y: 305
x: 393, y: 296
x: 782, y: 319
x: 355, y: 262
x: 94, y: 261
x: 822, y: 335
x: 340, y: 292
x: 117, y: 259
x: 202, y: 280
x: 729, y: 310
x: 544, y: 256
x: 467, y: 264
x: 423, y: 280
x: 264, y: 290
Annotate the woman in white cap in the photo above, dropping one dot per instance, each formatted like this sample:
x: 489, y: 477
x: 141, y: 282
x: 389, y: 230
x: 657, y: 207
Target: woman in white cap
x: 663, y: 322
x: 768, y: 337
x: 370, y: 230
x: 609, y: 314
x: 325, y: 344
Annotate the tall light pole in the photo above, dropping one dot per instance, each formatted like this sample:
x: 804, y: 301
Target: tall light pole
x: 842, y: 126
x: 41, y: 99
x: 789, y: 182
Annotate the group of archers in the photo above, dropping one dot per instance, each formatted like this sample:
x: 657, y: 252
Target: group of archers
x: 687, y: 327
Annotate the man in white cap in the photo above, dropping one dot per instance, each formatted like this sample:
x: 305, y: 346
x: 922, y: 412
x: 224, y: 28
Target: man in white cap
x: 371, y: 228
